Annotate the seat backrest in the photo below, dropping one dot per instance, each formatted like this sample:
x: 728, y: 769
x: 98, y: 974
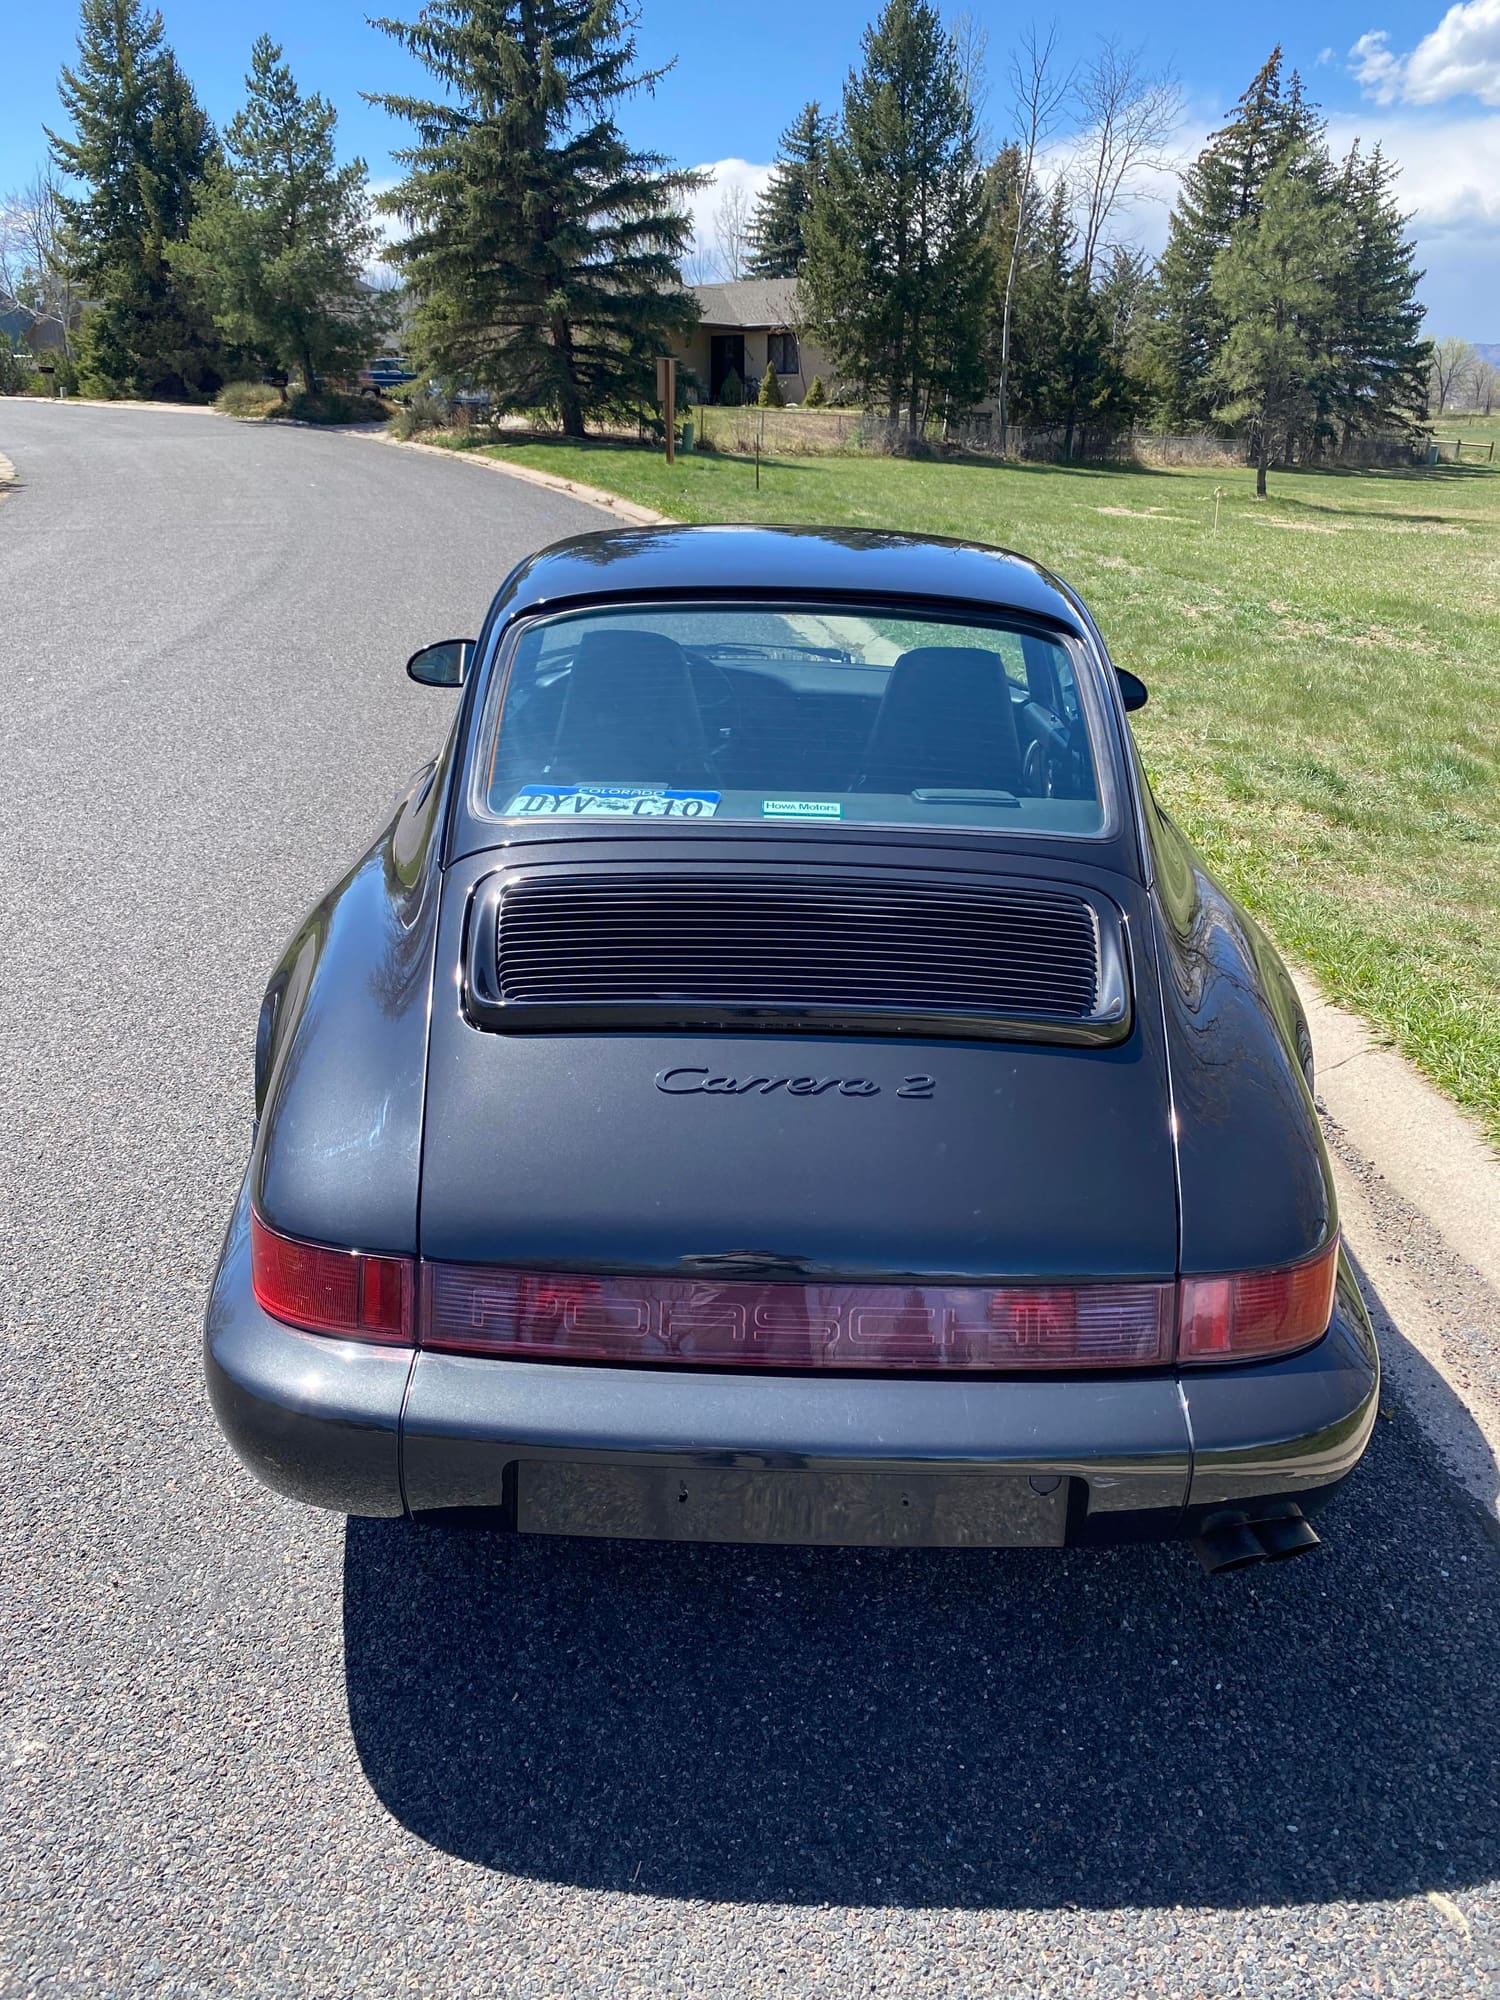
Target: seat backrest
x: 629, y: 715
x: 944, y: 721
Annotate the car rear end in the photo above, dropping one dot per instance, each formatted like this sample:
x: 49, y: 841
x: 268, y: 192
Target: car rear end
x: 799, y: 1160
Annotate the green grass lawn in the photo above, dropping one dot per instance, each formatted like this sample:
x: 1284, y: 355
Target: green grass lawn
x: 1324, y: 674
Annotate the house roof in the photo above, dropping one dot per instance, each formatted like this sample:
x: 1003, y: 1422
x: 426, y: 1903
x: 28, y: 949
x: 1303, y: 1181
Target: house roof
x: 38, y: 331
x: 749, y: 302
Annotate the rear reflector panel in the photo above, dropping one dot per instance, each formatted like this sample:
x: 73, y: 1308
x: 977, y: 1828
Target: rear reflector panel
x: 702, y: 1323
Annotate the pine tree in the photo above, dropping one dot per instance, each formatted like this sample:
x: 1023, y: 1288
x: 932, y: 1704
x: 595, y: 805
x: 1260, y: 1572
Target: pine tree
x: 1220, y: 189
x: 816, y: 395
x: 898, y: 265
x: 141, y: 146
x: 282, y: 237
x: 1380, y: 360
x: 769, y: 396
x: 1275, y: 286
x: 776, y: 230
x: 544, y: 252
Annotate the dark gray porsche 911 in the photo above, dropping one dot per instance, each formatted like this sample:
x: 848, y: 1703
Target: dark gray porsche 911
x: 780, y: 1077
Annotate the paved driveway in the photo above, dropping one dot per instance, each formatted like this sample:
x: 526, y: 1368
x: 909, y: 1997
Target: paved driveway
x: 250, y: 1749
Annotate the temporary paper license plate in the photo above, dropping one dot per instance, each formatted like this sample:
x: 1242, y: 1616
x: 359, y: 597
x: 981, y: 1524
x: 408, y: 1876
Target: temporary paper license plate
x: 624, y: 801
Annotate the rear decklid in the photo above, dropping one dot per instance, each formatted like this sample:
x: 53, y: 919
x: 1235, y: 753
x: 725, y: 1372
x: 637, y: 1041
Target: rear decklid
x: 935, y: 1071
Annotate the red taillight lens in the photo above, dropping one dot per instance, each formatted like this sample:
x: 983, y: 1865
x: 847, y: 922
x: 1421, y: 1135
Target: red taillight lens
x: 1258, y: 1312
x: 332, y: 1291
x: 704, y: 1323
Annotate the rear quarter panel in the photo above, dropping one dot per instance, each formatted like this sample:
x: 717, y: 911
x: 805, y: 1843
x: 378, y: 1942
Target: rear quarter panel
x: 1256, y: 1188
x: 341, y: 1054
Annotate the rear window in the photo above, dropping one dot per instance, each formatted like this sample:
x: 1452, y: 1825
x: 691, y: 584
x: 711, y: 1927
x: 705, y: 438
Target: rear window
x: 800, y: 716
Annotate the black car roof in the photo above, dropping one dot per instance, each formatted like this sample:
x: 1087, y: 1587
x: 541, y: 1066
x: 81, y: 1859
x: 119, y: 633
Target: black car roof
x: 839, y: 562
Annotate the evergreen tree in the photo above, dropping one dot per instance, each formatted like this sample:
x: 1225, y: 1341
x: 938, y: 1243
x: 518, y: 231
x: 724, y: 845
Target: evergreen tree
x: 1379, y: 358
x: 777, y: 244
x: 282, y: 237
x: 1275, y: 286
x: 769, y: 396
x: 898, y: 265
x: 544, y: 252
x: 816, y: 395
x: 1220, y: 189
x: 141, y: 146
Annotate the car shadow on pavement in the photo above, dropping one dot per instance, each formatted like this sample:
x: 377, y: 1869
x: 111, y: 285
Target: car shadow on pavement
x: 1026, y: 1729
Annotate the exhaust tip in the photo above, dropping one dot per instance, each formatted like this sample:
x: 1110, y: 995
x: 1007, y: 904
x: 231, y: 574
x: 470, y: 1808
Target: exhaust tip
x: 1235, y: 1541
x: 1226, y: 1543
x: 1285, y: 1534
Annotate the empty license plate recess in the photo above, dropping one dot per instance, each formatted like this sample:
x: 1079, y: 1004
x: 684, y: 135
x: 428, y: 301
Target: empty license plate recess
x: 840, y: 1509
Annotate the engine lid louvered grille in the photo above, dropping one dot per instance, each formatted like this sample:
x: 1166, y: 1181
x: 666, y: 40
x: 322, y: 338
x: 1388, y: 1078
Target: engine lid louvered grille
x: 748, y: 948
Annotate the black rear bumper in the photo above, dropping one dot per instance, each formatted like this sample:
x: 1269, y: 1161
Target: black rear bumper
x: 679, y: 1455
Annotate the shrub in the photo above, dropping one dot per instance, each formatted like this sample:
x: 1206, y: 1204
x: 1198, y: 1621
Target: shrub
x: 17, y: 377
x: 421, y: 409
x: 816, y: 395
x: 332, y: 406
x: 732, y: 393
x: 248, y: 399
x: 770, y: 396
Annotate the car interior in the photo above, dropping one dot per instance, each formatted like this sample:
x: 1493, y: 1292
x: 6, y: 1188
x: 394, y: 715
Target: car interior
x: 942, y: 725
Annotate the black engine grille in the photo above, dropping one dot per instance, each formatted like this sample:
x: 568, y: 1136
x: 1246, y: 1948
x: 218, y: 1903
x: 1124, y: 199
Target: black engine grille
x: 772, y: 950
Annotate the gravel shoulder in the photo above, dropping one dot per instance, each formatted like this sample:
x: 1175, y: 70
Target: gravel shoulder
x: 251, y: 1750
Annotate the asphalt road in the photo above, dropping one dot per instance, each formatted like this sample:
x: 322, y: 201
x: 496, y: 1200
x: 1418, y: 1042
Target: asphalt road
x: 248, y: 1749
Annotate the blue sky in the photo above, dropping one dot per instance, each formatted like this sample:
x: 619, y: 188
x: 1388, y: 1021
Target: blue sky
x: 1422, y: 79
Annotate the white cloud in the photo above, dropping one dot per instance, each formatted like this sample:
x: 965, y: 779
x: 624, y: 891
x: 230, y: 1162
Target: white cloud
x: 1460, y: 58
x: 725, y: 174
x: 1450, y: 180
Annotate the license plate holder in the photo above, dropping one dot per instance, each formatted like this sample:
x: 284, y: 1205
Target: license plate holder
x: 833, y: 1508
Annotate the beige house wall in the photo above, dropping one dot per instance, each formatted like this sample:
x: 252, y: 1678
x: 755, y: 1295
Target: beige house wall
x: 695, y: 354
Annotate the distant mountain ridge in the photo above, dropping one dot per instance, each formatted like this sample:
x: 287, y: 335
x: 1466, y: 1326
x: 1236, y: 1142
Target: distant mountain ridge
x: 1487, y: 350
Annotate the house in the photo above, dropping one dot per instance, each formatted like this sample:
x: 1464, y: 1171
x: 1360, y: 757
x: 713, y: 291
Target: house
x: 38, y: 333
x: 743, y: 325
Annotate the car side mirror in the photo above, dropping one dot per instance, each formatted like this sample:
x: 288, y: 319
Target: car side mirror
x: 443, y: 665
x: 1132, y: 688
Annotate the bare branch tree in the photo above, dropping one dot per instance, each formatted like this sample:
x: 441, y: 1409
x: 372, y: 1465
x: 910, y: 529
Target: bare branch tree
x: 971, y: 46
x: 700, y: 267
x: 1485, y: 387
x: 1038, y: 93
x: 732, y: 221
x: 33, y: 263
x: 1127, y: 115
x: 1452, y: 364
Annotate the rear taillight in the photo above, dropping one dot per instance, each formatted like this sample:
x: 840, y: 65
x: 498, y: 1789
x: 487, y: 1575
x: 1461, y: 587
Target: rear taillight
x: 1255, y: 1313
x: 332, y: 1291
x: 704, y: 1323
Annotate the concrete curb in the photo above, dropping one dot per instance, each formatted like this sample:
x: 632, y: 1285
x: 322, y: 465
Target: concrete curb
x: 1433, y: 1156
x: 591, y: 496
x: 1419, y: 1198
